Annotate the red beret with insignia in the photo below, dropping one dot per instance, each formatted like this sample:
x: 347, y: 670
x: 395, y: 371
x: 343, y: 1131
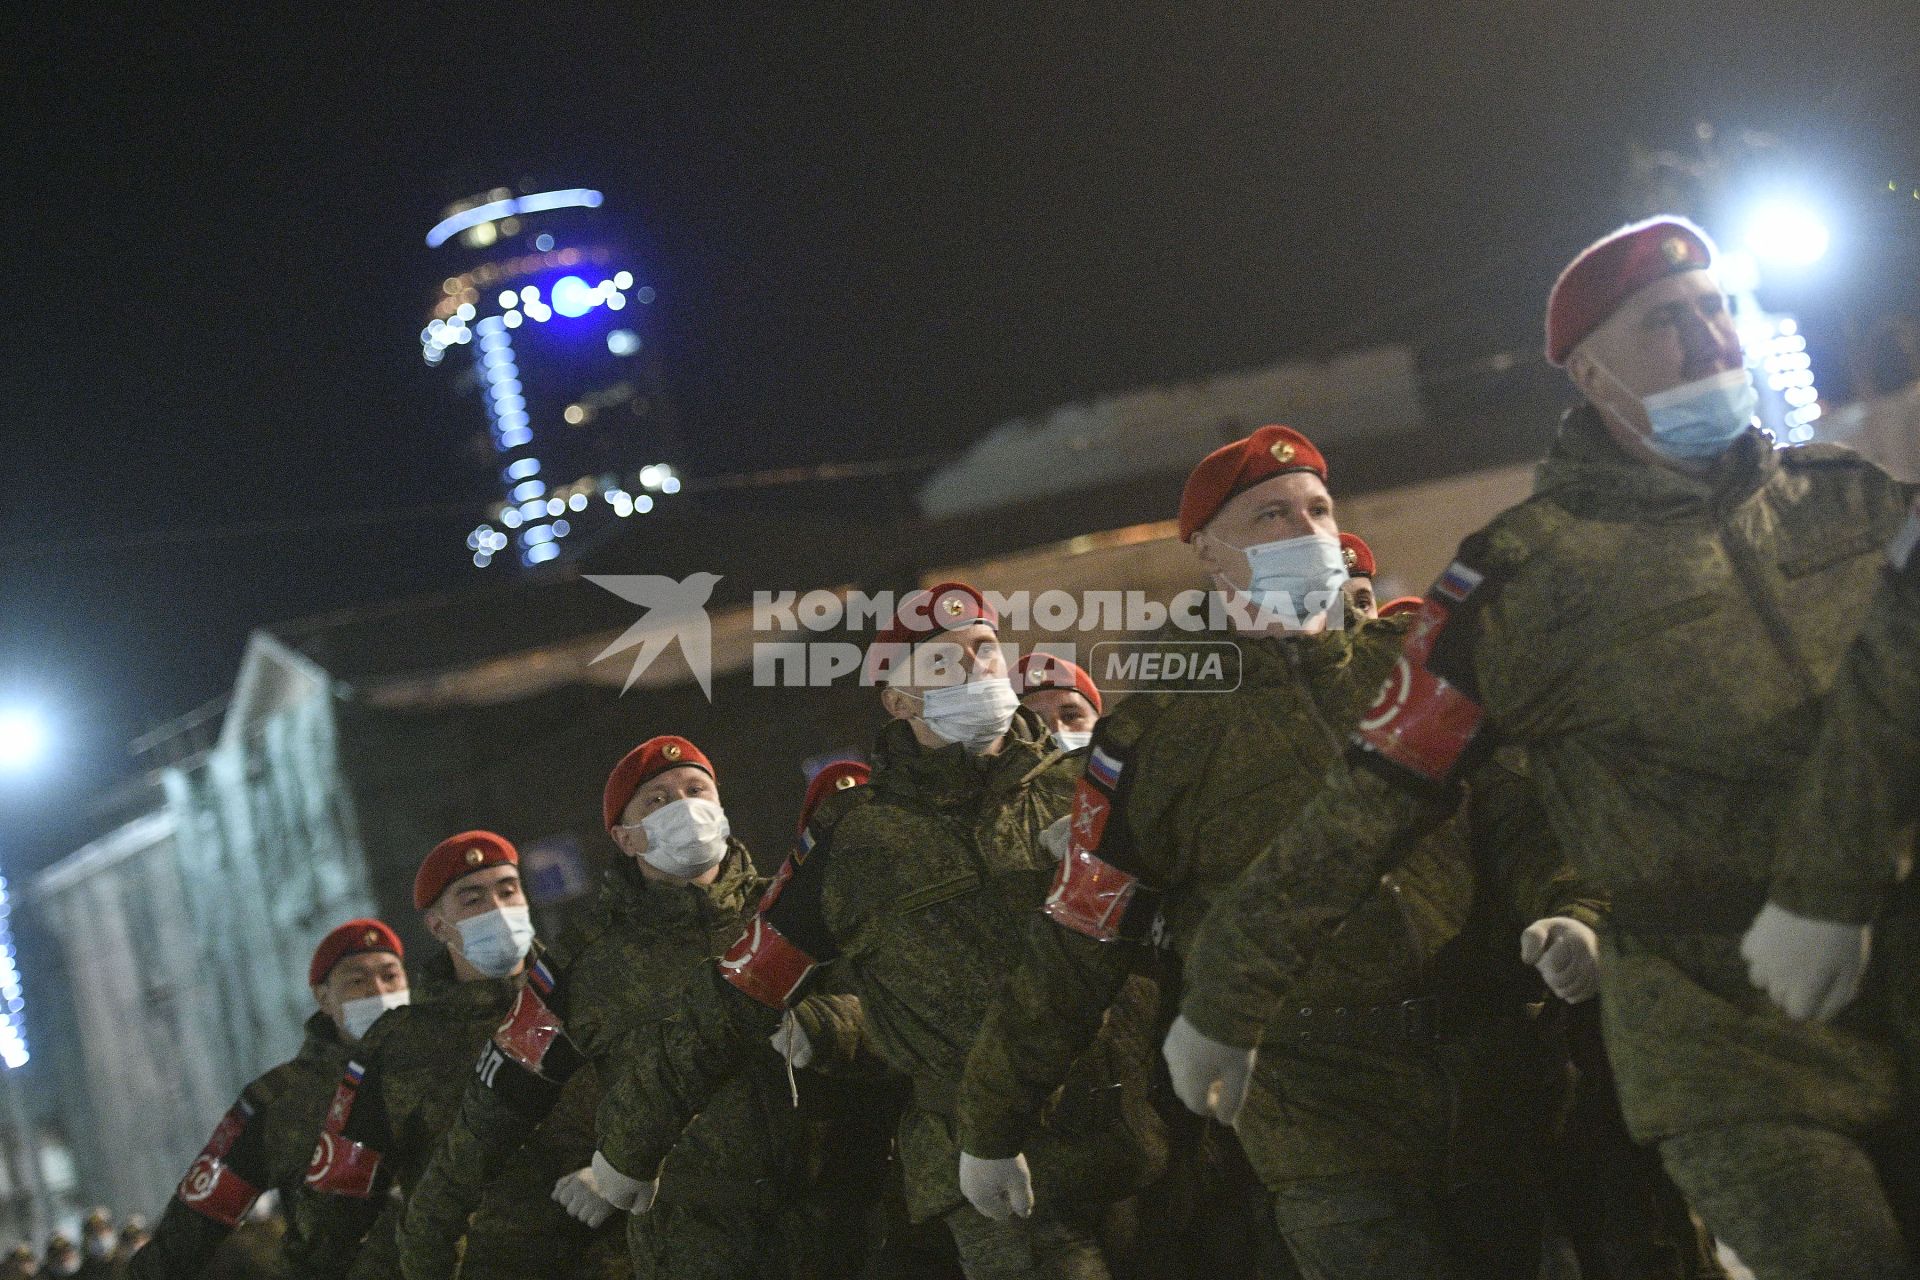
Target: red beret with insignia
x: 1045, y: 671
x: 457, y: 856
x: 926, y: 615
x: 1356, y: 555
x: 1401, y: 604
x: 355, y: 937
x: 1612, y: 269
x: 654, y: 756
x: 1232, y: 469
x: 838, y: 776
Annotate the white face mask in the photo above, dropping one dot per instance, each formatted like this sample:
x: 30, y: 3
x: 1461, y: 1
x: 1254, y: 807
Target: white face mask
x: 1699, y: 420
x: 686, y: 838
x: 973, y: 714
x: 359, y: 1015
x: 1072, y: 739
x: 1295, y: 578
x: 496, y: 941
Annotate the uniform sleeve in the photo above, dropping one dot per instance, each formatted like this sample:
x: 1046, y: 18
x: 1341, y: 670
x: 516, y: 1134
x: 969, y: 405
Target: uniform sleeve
x: 659, y: 1075
x: 221, y: 1184
x: 836, y: 1028
x: 330, y: 1231
x: 1078, y: 951
x: 468, y: 1156
x: 1849, y: 817
x: 339, y: 1210
x: 1514, y: 844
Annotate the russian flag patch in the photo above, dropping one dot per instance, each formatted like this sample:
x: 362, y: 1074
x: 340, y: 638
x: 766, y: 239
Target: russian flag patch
x: 1104, y: 769
x: 1459, y: 582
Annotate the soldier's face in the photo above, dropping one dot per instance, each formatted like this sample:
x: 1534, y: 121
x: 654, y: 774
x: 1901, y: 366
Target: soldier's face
x: 1674, y: 331
x: 1295, y: 505
x: 372, y: 973
x: 684, y: 782
x: 1360, y: 597
x: 1061, y: 709
x: 477, y: 893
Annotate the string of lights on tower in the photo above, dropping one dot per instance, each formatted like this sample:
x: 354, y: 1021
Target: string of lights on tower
x: 546, y: 322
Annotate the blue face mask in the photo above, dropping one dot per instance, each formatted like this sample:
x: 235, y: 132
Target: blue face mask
x: 1295, y: 577
x: 1698, y: 420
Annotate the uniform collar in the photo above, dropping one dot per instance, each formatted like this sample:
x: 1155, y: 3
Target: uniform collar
x: 322, y: 1038
x: 1590, y: 474
x: 629, y: 895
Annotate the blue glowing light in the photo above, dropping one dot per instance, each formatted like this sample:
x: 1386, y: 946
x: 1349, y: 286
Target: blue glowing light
x: 571, y: 198
x: 573, y: 296
x: 527, y: 490
x: 543, y: 242
x: 523, y: 468
x: 623, y: 342
x: 540, y: 553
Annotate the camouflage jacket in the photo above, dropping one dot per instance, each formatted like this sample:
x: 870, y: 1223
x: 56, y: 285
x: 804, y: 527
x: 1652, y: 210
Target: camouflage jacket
x: 264, y: 1142
x: 916, y: 887
x: 623, y: 966
x: 401, y: 1089
x: 1658, y: 644
x: 1182, y: 791
x: 1846, y: 833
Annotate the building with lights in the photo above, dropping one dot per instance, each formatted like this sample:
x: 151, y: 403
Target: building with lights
x: 546, y: 320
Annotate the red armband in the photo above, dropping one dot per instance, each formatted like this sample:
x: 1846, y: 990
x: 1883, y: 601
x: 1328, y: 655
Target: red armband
x: 529, y: 1030
x: 341, y: 1166
x: 766, y: 966
x: 1090, y: 895
x: 1421, y: 722
x: 212, y: 1188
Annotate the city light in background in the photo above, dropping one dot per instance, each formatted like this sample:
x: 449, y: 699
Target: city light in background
x: 23, y: 738
x: 569, y: 385
x: 24, y: 743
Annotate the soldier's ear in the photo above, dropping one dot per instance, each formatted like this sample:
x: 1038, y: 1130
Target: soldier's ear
x: 1204, y: 548
x: 898, y: 704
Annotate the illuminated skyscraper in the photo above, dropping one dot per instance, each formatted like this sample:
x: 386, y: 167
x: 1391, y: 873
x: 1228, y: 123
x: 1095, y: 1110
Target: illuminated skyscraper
x: 544, y: 318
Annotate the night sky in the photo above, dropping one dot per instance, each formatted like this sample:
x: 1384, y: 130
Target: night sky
x: 871, y: 237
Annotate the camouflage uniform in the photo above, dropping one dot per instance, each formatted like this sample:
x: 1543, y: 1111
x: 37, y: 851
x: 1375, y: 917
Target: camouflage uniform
x: 916, y: 887
x: 401, y: 1090
x: 1659, y: 644
x: 624, y: 967
x: 1348, y: 1115
x: 265, y: 1141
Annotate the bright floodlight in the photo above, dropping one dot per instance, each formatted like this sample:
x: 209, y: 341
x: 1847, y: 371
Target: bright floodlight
x: 23, y: 738
x: 1787, y: 234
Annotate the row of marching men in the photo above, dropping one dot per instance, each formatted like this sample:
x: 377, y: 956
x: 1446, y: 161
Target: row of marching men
x: 1351, y: 913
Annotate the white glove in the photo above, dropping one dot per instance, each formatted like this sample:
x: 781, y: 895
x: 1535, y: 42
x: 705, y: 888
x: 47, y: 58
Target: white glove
x: 1566, y: 953
x: 620, y: 1191
x: 579, y: 1194
x: 1210, y: 1077
x: 791, y: 1043
x: 1810, y: 968
x: 1055, y: 836
x: 1001, y: 1189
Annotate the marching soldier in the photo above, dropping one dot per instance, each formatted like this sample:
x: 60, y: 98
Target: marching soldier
x: 265, y: 1141
x: 1348, y: 1125
x: 680, y: 894
x: 1062, y: 694
x: 402, y: 1084
x: 1655, y: 627
x: 1357, y: 557
x: 915, y: 886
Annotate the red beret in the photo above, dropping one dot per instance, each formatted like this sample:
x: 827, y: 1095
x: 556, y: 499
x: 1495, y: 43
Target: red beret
x: 1356, y: 555
x: 1401, y: 604
x: 1234, y: 468
x: 654, y: 756
x: 457, y: 856
x: 947, y: 606
x: 838, y: 776
x: 1611, y: 269
x: 1046, y: 671
x: 355, y: 937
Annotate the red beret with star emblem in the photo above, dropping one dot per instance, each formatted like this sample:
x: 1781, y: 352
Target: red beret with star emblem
x: 1046, y: 671
x: 1234, y: 468
x: 652, y: 757
x: 1356, y: 555
x: 838, y: 776
x: 457, y: 856
x: 926, y: 615
x: 1611, y: 269
x: 355, y: 937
